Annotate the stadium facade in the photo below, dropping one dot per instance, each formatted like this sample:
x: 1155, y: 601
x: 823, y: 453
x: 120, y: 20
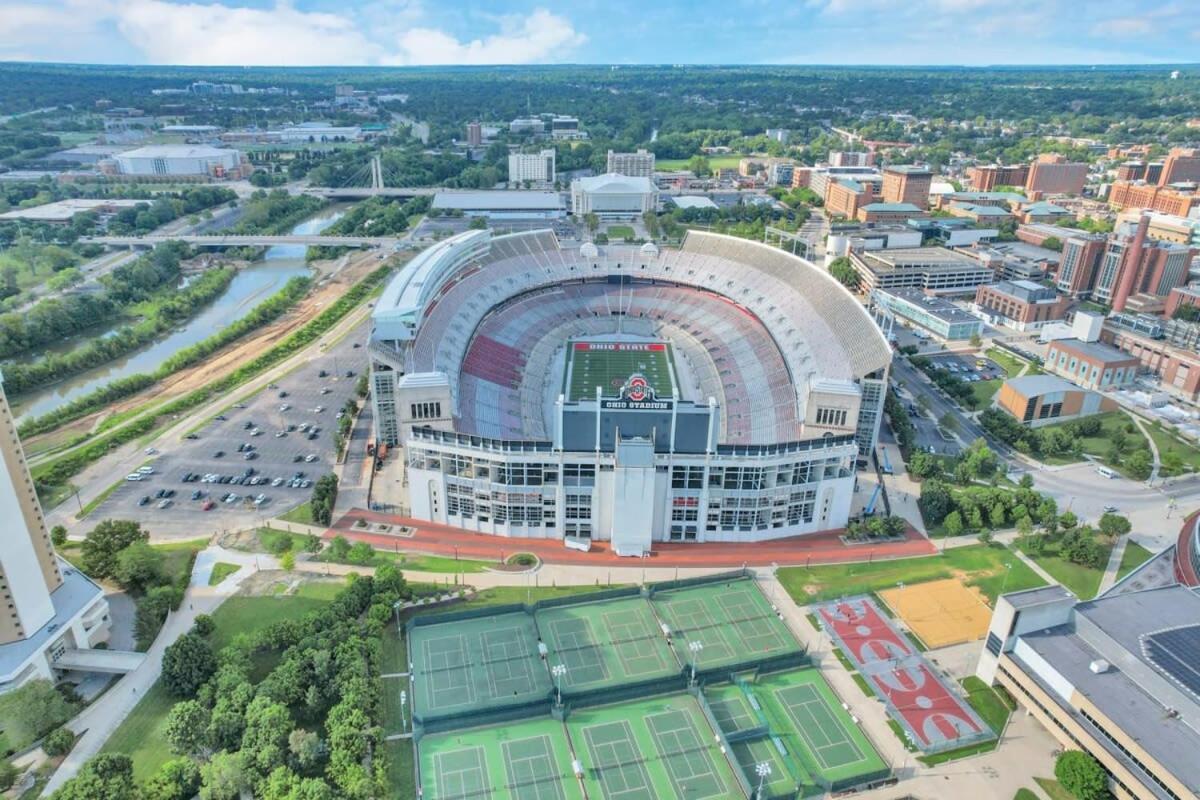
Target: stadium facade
x: 721, y: 391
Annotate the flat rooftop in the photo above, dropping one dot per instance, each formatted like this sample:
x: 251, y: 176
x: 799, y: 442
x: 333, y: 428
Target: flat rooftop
x: 938, y: 307
x: 920, y: 257
x: 76, y: 593
x: 65, y: 210
x: 1037, y: 385
x: 1097, y: 351
x: 500, y: 200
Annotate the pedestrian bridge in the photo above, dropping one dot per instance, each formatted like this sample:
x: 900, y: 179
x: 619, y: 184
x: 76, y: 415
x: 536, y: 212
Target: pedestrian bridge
x: 112, y: 661
x: 219, y: 240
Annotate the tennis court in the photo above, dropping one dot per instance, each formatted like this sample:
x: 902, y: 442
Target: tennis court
x: 732, y: 621
x: 530, y: 760
x: 475, y: 665
x: 609, y: 643
x: 941, y: 613
x: 657, y: 749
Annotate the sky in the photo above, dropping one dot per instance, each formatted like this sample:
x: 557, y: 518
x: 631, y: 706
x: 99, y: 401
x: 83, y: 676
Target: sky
x: 423, y: 32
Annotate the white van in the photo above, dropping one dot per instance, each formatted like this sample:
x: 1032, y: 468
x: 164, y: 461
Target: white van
x: 1106, y: 472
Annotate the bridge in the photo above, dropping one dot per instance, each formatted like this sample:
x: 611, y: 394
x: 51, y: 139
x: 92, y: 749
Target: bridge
x: 230, y: 240
x: 363, y: 192
x: 111, y: 661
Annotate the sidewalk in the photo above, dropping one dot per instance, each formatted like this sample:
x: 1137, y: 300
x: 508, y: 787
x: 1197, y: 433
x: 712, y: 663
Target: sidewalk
x: 1114, y: 565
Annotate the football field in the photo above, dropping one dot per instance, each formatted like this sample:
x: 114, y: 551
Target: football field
x: 610, y: 365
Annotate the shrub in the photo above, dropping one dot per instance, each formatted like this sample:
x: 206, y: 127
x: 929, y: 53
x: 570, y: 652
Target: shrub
x: 58, y: 742
x: 1081, y: 775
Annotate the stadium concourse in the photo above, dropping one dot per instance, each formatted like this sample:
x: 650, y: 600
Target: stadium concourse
x: 435, y: 539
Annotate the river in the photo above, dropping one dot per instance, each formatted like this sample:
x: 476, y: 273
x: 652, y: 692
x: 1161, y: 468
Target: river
x: 249, y: 287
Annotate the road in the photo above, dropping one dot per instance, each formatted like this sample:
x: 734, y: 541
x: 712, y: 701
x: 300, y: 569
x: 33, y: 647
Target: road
x: 236, y: 240
x: 967, y: 429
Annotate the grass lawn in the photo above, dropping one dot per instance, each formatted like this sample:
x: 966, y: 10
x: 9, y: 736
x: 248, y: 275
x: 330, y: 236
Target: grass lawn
x: 1134, y: 556
x: 401, y: 775
x: 984, y: 391
x: 1011, y: 364
x: 979, y: 565
x: 276, y: 541
x: 1025, y: 794
x: 221, y: 571
x: 1101, y: 443
x: 986, y: 703
x: 416, y: 562
x: 1054, y: 789
x: 301, y: 514
x: 249, y: 615
x: 714, y: 162
x: 1083, y: 581
x: 142, y: 735
x: 1166, y: 442
x: 620, y: 232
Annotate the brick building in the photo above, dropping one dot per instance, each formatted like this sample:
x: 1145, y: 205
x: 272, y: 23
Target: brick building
x: 1021, y: 305
x: 1037, y: 400
x: 1053, y: 174
x: 987, y: 178
x: 1182, y: 165
x: 846, y: 196
x: 907, y: 184
x: 1139, y: 194
x: 1092, y: 365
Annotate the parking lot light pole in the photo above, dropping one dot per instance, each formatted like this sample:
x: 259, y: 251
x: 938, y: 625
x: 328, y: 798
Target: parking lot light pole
x: 763, y: 770
x: 695, y: 645
x: 557, y: 671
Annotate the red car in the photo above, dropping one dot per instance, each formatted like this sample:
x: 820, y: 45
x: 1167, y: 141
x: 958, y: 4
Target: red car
x: 208, y: 504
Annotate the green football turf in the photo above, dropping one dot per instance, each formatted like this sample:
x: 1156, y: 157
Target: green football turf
x: 610, y: 369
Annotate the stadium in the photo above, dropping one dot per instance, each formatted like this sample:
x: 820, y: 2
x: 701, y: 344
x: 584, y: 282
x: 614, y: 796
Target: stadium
x: 723, y: 390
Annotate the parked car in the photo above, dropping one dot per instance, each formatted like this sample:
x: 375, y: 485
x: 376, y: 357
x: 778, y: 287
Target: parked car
x: 145, y: 500
x: 133, y: 476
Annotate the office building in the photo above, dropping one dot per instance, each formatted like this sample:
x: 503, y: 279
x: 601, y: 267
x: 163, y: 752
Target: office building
x: 1131, y: 171
x: 952, y: 231
x: 530, y: 125
x: 474, y: 134
x: 884, y: 213
x: 844, y: 158
x: 1014, y: 261
x: 987, y: 178
x: 935, y: 314
x: 634, y: 165
x: 180, y: 159
x: 933, y: 269
x: 907, y: 184
x: 1177, y: 368
x: 532, y: 167
x: 52, y: 607
x: 566, y: 128
x: 1042, y: 211
x: 846, y: 196
x: 1166, y: 227
x: 1182, y: 165
x: 1092, y: 365
x: 1114, y: 677
x: 613, y: 196
x: 1022, y: 305
x: 1133, y: 263
x: 819, y: 178
x: 1051, y: 173
x: 1177, y: 200
x: 1037, y: 400
x: 1181, y: 297
x: 988, y: 214
x: 1082, y: 254
x: 1004, y: 200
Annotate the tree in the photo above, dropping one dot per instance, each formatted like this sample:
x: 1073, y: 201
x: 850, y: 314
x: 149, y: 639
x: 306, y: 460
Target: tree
x: 1053, y: 243
x: 203, y: 625
x: 843, y: 270
x: 306, y: 748
x: 102, y: 546
x: 31, y: 711
x: 996, y: 515
x: 152, y: 611
x: 1139, y: 465
x: 265, y: 740
x: 58, y: 536
x: 1026, y: 481
x: 338, y: 549
x: 223, y: 778
x: 1068, y: 520
x: 109, y: 775
x: 1114, y: 525
x: 58, y: 742
x: 935, y: 501
x: 287, y: 561
x: 1081, y: 775
x: 954, y: 523
x: 186, y: 728
x: 177, y: 779
x: 1172, y: 462
x: 187, y: 664
x: 975, y: 340
x: 8, y: 774
x: 324, y: 495
x: 139, y: 566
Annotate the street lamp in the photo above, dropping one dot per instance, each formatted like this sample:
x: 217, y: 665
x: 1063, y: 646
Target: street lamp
x: 403, y: 703
x: 695, y: 645
x: 763, y: 770
x: 558, y: 670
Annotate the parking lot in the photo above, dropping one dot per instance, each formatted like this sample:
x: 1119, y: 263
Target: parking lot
x: 264, y: 448
x: 968, y: 367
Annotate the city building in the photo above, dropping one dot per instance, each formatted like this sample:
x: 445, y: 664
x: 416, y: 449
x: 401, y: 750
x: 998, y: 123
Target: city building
x: 53, y: 609
x: 496, y: 204
x: 206, y: 87
x: 696, y: 201
x: 652, y: 456
x: 935, y: 314
x: 780, y: 173
x: 953, y: 231
x: 1051, y: 173
x: 933, y: 269
x: 1133, y: 263
x: 1114, y: 677
x: 1014, y: 261
x: 1082, y: 255
x: 61, y: 212
x: 884, y: 213
x: 844, y: 238
x: 1005, y: 200
x: 1037, y: 400
x: 613, y: 196
x: 318, y: 132
x: 845, y: 158
x: 565, y: 127
x: 907, y: 184
x: 1042, y: 211
x: 781, y: 135
x: 1092, y: 365
x: 474, y: 134
x: 1022, y: 305
x: 531, y: 125
x: 1132, y: 171
x: 532, y: 167
x: 819, y: 178
x: 987, y: 178
x: 1177, y: 200
x: 1177, y: 368
x: 635, y: 165
x: 180, y: 159
x: 1167, y: 227
x: 1182, y: 165
x: 846, y: 196
x: 1179, y: 297
x: 992, y: 215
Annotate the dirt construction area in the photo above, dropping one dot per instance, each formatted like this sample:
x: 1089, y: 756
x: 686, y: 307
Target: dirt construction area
x: 941, y: 613
x: 333, y: 279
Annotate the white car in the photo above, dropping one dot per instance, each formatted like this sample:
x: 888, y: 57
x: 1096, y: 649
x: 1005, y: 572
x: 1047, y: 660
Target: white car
x: 280, y: 434
x: 150, y: 451
x: 256, y: 432
x: 133, y: 476
x: 284, y: 406
x: 147, y: 470
x: 319, y: 409
x: 310, y: 458
x: 164, y: 503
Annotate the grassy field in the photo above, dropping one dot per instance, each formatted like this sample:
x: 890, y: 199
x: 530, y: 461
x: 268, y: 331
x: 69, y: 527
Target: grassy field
x: 400, y: 772
x: 1010, y: 363
x: 1054, y: 789
x: 989, y: 567
x: 1166, y: 442
x: 417, y: 562
x: 714, y: 162
x: 619, y: 232
x: 301, y: 514
x: 1134, y: 556
x: 142, y: 735
x: 221, y: 571
x: 1083, y: 581
x: 984, y: 391
x: 1101, y: 443
x: 610, y: 369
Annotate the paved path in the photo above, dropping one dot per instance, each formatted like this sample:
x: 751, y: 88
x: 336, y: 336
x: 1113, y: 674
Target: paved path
x: 1153, y: 448
x: 1114, y: 565
x: 98, y: 721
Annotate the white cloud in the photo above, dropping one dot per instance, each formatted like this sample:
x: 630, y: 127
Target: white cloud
x: 1122, y: 26
x: 222, y: 33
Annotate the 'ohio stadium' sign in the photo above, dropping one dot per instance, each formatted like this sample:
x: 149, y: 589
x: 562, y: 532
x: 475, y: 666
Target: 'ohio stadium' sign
x: 637, y: 395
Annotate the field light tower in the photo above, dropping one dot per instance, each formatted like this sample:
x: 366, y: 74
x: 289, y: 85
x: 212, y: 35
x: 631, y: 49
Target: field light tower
x: 763, y: 769
x: 558, y: 670
x: 695, y: 645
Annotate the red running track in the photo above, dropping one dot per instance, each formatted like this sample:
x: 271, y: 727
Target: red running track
x: 819, y: 548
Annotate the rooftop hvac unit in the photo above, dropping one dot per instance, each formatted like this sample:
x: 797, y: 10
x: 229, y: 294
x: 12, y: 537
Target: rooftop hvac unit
x: 1098, y: 666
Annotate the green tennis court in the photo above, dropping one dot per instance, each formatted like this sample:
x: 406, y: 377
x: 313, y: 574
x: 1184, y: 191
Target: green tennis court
x: 475, y: 665
x: 657, y: 749
x: 781, y: 782
x: 731, y: 709
x: 608, y: 643
x: 732, y: 621
x: 530, y: 760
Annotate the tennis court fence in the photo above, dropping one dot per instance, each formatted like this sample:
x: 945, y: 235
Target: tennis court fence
x: 726, y: 744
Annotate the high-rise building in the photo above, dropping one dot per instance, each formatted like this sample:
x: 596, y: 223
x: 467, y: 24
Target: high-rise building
x: 1053, y: 174
x: 633, y: 165
x: 533, y: 167
x: 50, y: 606
x: 907, y: 184
x: 474, y: 134
x: 1080, y: 261
x: 1182, y: 165
x: 1133, y: 263
x: 987, y: 178
x: 1126, y: 194
x: 843, y: 158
